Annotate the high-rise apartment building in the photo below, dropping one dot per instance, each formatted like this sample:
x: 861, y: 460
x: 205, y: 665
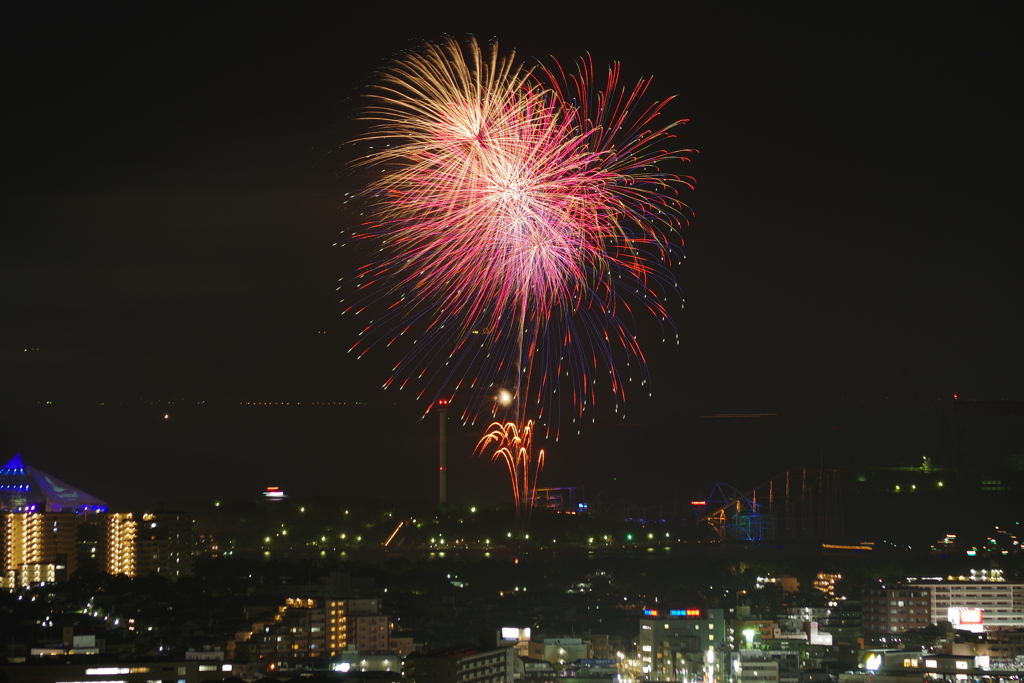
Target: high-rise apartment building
x: 39, y: 546
x: 151, y: 543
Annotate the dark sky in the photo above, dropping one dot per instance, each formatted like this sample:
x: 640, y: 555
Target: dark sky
x: 173, y: 184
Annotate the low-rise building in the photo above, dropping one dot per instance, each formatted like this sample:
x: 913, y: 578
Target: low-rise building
x: 462, y: 666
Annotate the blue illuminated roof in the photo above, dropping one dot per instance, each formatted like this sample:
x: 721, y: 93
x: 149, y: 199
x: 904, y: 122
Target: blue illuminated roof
x: 25, y: 488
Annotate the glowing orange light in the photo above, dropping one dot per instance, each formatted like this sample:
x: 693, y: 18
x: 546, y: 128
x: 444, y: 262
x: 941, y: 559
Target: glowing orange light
x: 514, y: 445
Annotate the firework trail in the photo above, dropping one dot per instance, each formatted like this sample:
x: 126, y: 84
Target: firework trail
x: 514, y: 445
x: 520, y: 216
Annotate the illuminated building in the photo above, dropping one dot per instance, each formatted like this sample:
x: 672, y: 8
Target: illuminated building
x: 26, y: 489
x: 516, y: 638
x: 370, y: 633
x: 980, y: 601
x: 309, y: 628
x: 135, y: 672
x: 350, y: 659
x: 152, y: 543
x: 826, y: 583
x: 678, y: 644
x: 754, y: 670
x: 887, y: 612
x: 558, y: 651
x: 38, y: 547
x: 462, y: 666
x: 40, y: 524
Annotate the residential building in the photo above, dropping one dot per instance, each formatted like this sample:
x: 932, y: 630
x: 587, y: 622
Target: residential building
x: 308, y: 628
x: 462, y: 666
x: 39, y: 546
x: 888, y: 611
x: 159, y: 543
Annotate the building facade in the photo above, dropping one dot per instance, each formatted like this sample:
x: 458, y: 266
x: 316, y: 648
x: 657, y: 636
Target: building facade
x: 558, y: 651
x: 888, y: 611
x: 676, y: 645
x: 978, y: 604
x: 310, y: 628
x: 39, y: 546
x: 159, y: 543
x: 462, y: 666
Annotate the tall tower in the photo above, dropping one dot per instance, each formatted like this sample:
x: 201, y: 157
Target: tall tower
x: 442, y: 414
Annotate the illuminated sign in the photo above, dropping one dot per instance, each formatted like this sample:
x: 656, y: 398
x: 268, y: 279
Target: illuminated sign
x: 510, y: 633
x: 970, y: 616
x: 966, y: 619
x: 692, y: 613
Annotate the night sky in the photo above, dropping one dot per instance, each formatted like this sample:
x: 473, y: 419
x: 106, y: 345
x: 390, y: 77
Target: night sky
x: 173, y: 184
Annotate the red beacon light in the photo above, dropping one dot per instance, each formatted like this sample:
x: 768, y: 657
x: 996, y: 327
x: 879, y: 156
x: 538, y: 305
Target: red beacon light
x: 442, y: 402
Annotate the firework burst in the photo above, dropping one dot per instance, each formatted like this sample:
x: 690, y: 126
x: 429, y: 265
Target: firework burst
x: 520, y: 215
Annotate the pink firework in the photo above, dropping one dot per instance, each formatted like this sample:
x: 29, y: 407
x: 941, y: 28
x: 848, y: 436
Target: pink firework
x: 520, y: 215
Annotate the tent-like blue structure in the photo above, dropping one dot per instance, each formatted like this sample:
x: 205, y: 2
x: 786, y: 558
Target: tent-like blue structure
x: 26, y: 489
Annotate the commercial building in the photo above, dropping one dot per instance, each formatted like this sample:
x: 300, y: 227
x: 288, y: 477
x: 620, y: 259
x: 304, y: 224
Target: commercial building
x: 757, y: 671
x: 558, y: 650
x: 680, y: 644
x: 979, y: 601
